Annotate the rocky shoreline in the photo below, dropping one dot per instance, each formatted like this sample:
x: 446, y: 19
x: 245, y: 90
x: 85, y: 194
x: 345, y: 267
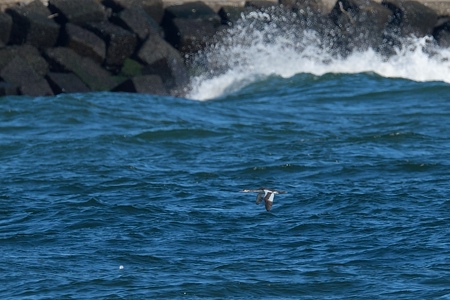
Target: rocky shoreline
x: 143, y: 46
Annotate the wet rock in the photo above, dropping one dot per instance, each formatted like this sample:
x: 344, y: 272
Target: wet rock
x: 320, y: 8
x: 362, y: 23
x: 85, y: 43
x: 229, y: 15
x: 188, y: 26
x: 6, y: 26
x: 120, y: 43
x: 18, y: 72
x: 411, y: 18
x: 260, y: 4
x: 33, y: 57
x: 23, y: 68
x: 442, y: 34
x: 32, y: 25
x: 154, y: 8
x: 7, y: 89
x: 90, y: 73
x: 160, y: 58
x: 6, y: 55
x: 36, y: 88
x: 191, y: 10
x: 27, y: 53
x: 191, y: 35
x: 66, y: 83
x: 137, y: 21
x: 77, y: 12
x: 145, y: 84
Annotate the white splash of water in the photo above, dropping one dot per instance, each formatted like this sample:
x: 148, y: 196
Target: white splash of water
x: 251, y: 52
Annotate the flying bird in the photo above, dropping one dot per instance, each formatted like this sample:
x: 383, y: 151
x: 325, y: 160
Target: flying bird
x: 266, y: 194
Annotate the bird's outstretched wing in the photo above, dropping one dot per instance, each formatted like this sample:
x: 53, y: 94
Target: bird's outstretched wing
x: 268, y: 200
x: 259, y: 197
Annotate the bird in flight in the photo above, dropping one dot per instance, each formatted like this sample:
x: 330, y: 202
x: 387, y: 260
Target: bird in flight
x: 266, y: 194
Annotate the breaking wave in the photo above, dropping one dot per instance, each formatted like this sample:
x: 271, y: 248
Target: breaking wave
x: 263, y: 44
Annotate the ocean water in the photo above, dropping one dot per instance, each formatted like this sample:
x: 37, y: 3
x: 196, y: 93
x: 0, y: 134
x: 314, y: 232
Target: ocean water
x: 127, y: 196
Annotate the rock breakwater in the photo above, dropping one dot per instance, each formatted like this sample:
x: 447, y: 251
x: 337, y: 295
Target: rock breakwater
x: 143, y: 46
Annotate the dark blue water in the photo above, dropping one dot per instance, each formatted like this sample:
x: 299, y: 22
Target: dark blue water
x: 125, y: 196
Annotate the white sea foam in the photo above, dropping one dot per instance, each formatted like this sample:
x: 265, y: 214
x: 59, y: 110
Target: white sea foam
x: 251, y: 51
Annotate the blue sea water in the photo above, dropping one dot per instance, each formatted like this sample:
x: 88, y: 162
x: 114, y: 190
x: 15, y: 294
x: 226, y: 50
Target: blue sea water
x: 128, y: 196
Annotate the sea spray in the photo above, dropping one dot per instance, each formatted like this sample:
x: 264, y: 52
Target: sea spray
x: 271, y: 43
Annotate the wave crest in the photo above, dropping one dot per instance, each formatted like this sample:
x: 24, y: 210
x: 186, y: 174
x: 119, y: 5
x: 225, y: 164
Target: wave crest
x: 263, y: 44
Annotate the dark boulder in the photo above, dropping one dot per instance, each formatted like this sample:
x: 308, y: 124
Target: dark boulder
x: 144, y: 84
x: 6, y: 26
x: 260, y: 4
x: 23, y: 68
x: 92, y: 74
x: 311, y: 14
x: 33, y: 7
x: 77, y: 12
x: 66, y: 83
x: 137, y: 21
x: 229, y: 15
x: 411, y: 18
x: 188, y: 26
x: 362, y: 23
x: 6, y: 55
x: 19, y: 72
x: 36, y: 88
x: 190, y: 35
x: 442, y: 34
x: 318, y: 8
x: 162, y: 59
x: 154, y: 8
x: 120, y: 43
x: 84, y: 42
x: 27, y: 53
x: 191, y: 10
x: 32, y: 25
x: 7, y: 89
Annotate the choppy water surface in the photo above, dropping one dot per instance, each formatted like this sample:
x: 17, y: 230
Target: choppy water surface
x: 123, y: 196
